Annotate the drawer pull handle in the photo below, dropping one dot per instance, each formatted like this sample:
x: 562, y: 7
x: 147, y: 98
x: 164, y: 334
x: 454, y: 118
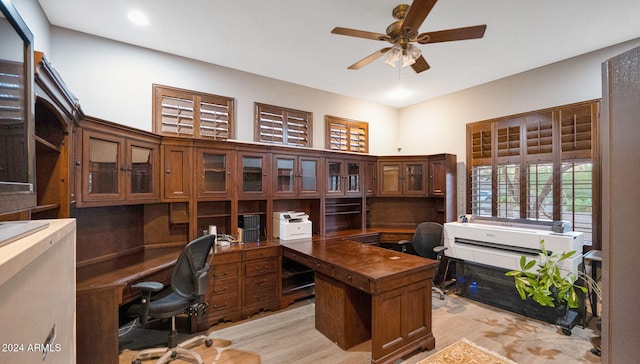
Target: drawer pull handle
x: 221, y: 291
x: 261, y: 298
x: 261, y: 283
x: 220, y: 308
x: 349, y: 277
x: 263, y: 269
x: 221, y: 276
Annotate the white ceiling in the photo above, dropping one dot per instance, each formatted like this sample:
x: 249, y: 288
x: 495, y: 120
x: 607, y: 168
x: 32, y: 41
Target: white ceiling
x: 290, y: 40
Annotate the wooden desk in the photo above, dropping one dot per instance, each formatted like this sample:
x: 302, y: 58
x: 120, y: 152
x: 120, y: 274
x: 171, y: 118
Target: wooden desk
x: 100, y: 290
x: 364, y: 291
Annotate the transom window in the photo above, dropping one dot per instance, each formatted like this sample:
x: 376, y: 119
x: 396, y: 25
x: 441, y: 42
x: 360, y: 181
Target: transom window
x: 347, y: 135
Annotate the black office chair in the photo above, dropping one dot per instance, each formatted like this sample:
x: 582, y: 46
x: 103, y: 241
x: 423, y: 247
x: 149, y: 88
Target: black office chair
x: 428, y: 242
x: 185, y: 295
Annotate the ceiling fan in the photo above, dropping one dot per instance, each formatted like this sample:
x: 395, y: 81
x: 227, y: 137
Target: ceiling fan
x: 404, y: 32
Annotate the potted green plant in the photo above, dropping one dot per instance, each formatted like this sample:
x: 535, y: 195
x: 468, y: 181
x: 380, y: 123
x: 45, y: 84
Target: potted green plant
x: 550, y: 285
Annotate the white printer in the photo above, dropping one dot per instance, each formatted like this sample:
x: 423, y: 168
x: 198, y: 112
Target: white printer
x: 289, y: 225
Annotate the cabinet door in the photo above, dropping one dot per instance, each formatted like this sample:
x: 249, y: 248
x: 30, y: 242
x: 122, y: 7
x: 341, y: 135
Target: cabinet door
x: 253, y: 169
x: 142, y: 177
x: 335, y: 177
x: 213, y: 173
x: 284, y: 171
x: 414, y: 181
x: 390, y: 179
x: 102, y: 167
x: 437, y: 177
x: 308, y: 168
x: 371, y: 178
x: 177, y: 174
x: 353, y: 180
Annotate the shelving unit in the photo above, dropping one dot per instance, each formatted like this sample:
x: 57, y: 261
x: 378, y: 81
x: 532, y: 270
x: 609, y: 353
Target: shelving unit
x: 216, y: 213
x: 297, y: 282
x: 342, y: 214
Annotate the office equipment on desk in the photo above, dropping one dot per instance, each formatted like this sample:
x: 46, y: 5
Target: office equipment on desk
x: 289, y: 225
x: 249, y: 228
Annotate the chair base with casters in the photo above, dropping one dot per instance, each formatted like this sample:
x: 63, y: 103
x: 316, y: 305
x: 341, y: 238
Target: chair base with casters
x: 173, y: 350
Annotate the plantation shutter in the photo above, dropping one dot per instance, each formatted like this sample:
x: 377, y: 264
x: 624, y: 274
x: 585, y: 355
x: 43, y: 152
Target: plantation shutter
x: 347, y: 135
x: 278, y: 125
x: 575, y: 131
x: 192, y: 114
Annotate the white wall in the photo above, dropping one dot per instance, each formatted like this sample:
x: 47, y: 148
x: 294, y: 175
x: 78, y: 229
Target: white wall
x: 32, y: 14
x: 113, y: 82
x: 439, y: 125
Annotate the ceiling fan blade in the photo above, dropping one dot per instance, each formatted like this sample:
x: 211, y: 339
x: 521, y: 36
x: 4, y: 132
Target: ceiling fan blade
x: 418, y: 11
x: 359, y: 33
x: 420, y: 65
x: 449, y: 35
x: 368, y: 59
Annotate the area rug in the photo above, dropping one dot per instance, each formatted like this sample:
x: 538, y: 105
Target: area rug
x: 465, y: 352
x: 221, y: 352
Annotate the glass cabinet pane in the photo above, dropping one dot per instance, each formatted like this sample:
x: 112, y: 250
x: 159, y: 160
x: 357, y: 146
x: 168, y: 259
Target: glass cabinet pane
x: 215, y: 172
x: 251, y: 174
x: 284, y: 175
x: 333, y: 174
x: 103, y: 166
x: 391, y: 178
x: 415, y: 177
x: 141, y: 170
x: 309, y: 175
x: 353, y: 177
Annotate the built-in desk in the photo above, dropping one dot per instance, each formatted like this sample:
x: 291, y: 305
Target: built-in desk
x: 100, y: 290
x: 365, y: 292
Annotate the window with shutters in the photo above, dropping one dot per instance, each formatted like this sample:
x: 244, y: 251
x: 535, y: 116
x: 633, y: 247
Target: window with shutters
x: 347, y: 135
x: 192, y: 114
x: 279, y: 125
x: 537, y: 166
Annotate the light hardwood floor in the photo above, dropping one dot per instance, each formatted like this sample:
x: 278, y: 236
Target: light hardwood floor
x: 289, y: 336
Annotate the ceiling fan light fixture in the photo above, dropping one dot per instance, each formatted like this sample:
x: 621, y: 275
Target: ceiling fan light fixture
x: 410, y: 55
x: 394, y: 55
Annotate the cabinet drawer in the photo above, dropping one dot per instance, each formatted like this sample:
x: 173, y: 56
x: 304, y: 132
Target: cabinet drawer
x: 261, y: 281
x: 260, y: 296
x: 226, y: 258
x: 221, y: 304
x: 261, y: 267
x: 253, y: 254
x: 223, y: 286
x: 351, y: 279
x: 299, y: 258
x: 226, y: 271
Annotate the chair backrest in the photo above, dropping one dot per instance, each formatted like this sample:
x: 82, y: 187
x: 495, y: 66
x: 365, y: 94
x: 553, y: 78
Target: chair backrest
x: 190, y: 274
x: 428, y: 235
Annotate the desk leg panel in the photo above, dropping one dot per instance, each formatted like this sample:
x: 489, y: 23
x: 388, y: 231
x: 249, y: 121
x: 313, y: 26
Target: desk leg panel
x: 401, y: 322
x: 97, y: 325
x: 343, y: 313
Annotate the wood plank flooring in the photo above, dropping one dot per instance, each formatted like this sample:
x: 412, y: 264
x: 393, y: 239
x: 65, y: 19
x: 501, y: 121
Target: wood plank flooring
x: 289, y: 336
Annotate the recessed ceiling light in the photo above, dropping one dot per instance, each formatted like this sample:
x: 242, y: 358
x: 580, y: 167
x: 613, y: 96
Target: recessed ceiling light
x: 138, y: 18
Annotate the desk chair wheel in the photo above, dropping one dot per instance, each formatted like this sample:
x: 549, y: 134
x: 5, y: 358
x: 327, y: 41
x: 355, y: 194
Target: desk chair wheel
x: 208, y: 342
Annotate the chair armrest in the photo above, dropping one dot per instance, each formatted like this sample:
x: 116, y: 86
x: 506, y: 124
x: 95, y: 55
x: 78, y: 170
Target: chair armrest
x: 404, y: 242
x: 439, y: 249
x: 148, y: 286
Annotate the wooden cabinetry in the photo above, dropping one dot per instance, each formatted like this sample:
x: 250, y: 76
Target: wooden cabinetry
x: 176, y: 174
x: 371, y: 176
x: 213, y: 173
x: 244, y: 279
x: 296, y: 175
x: 343, y: 176
x: 253, y: 168
x: 117, y: 168
x: 402, y: 176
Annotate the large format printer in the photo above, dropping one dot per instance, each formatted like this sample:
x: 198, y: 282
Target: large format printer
x: 289, y: 225
x: 502, y: 246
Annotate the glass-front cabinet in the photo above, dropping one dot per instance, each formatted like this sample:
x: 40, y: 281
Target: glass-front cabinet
x: 295, y: 176
x: 117, y: 169
x: 253, y: 169
x: 213, y: 174
x: 344, y: 177
x: 401, y: 178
